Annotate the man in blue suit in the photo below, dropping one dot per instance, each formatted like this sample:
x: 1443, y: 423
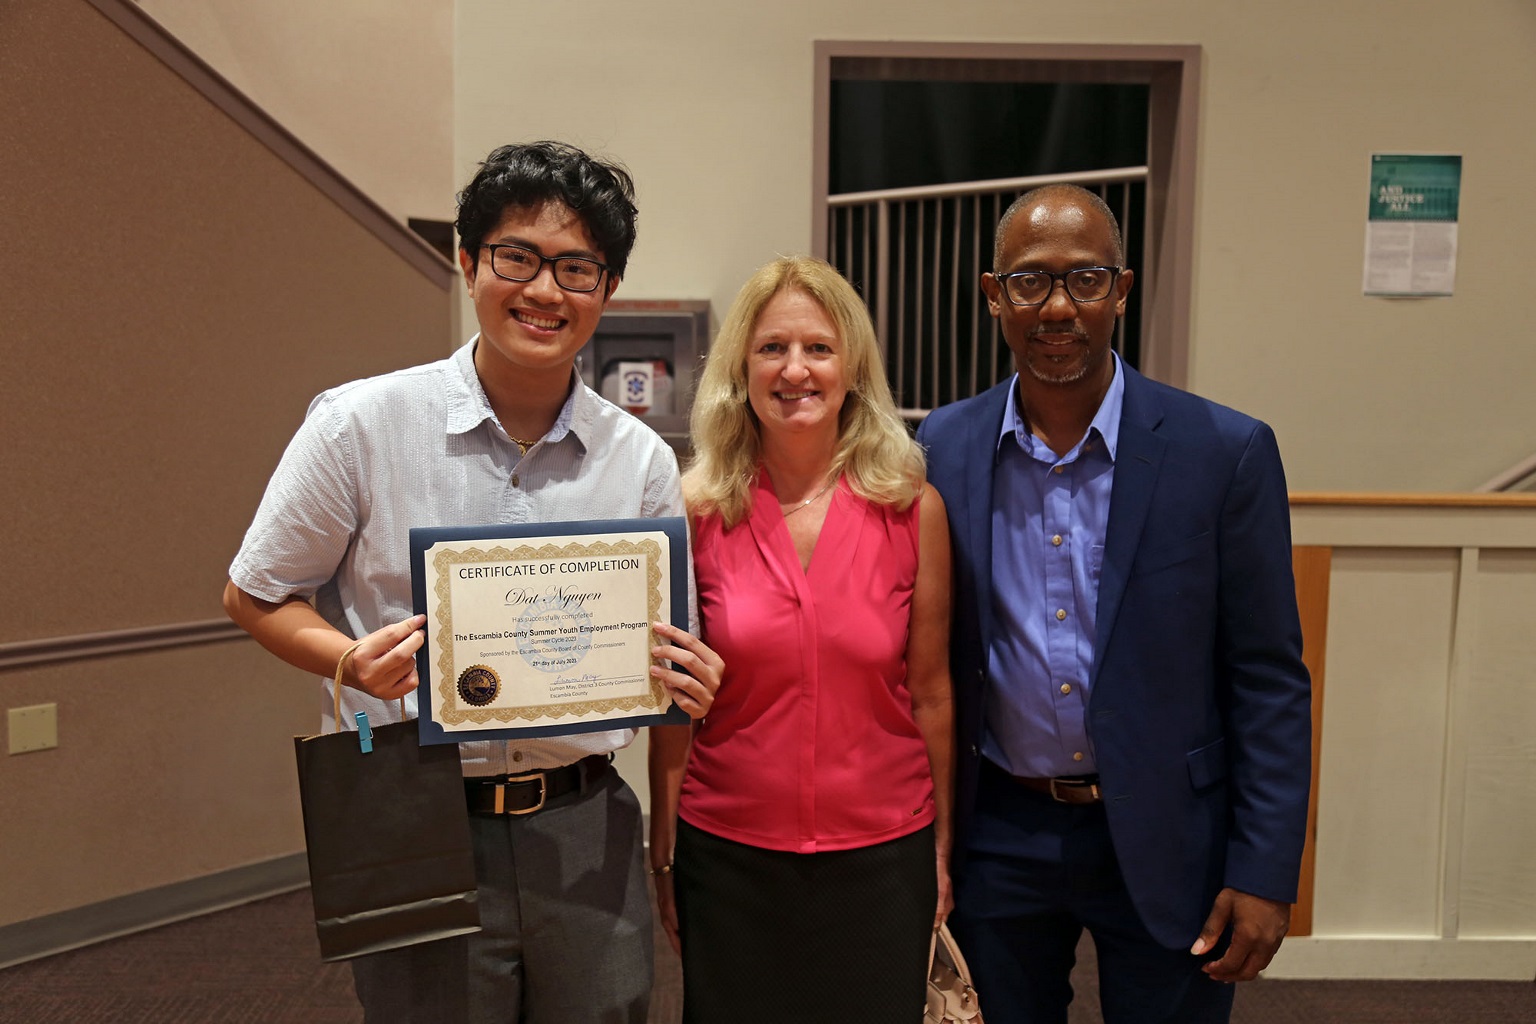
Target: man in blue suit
x: 1133, y: 712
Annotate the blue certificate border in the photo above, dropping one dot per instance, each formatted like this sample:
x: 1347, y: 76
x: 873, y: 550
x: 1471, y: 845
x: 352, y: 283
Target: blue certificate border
x: 423, y: 537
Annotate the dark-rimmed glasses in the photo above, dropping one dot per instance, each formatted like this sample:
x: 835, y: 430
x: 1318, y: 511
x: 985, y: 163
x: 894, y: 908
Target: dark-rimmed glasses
x: 1034, y: 287
x: 519, y: 263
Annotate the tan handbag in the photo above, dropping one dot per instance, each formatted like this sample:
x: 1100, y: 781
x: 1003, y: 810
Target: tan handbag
x: 951, y: 999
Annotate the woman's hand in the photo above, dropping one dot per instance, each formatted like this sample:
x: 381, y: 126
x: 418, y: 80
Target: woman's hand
x: 666, y: 908
x: 692, y: 689
x: 666, y: 762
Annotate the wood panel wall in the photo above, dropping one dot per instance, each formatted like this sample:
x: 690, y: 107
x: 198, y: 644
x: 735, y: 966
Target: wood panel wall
x: 1312, y: 566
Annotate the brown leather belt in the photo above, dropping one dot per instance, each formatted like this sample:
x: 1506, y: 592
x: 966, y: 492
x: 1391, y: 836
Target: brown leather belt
x: 1082, y: 789
x: 525, y: 794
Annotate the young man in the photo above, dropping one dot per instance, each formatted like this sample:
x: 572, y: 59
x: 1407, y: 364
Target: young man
x: 503, y: 431
x: 1133, y: 712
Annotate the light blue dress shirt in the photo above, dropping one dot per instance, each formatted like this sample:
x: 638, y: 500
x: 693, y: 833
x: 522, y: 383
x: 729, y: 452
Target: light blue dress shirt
x: 423, y: 447
x: 1049, y: 515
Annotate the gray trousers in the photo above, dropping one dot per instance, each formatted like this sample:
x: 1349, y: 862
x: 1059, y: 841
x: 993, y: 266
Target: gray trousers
x: 565, y: 926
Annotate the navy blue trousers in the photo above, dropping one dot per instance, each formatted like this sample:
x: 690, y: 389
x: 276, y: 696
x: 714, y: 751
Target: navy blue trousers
x: 1038, y: 872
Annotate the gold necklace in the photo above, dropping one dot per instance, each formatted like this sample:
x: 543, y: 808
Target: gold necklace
x: 523, y: 446
x: 807, y: 501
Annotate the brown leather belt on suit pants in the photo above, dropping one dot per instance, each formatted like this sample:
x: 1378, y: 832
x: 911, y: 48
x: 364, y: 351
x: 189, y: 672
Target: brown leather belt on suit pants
x: 1081, y: 789
x: 525, y: 794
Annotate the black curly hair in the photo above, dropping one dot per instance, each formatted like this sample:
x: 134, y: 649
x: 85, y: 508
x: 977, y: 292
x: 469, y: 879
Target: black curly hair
x: 528, y: 175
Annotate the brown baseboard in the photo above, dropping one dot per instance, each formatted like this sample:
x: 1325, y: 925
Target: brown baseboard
x: 135, y: 912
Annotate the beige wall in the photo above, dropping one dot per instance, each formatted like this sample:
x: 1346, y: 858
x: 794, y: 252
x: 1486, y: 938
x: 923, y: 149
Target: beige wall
x: 711, y: 107
x: 367, y: 85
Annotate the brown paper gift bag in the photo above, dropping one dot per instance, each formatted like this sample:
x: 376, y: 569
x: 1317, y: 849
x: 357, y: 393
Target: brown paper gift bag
x: 390, y: 861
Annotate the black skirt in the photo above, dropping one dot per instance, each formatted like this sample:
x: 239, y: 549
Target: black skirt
x: 790, y: 938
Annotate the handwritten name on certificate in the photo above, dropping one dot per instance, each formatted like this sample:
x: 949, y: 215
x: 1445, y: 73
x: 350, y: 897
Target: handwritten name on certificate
x: 554, y: 630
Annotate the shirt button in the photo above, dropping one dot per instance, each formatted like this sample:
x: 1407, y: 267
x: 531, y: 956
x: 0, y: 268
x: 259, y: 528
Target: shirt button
x: 1077, y: 756
x: 517, y: 755
x: 1061, y: 614
x: 514, y: 480
x: 1066, y: 688
x: 1056, y: 540
x: 1059, y: 469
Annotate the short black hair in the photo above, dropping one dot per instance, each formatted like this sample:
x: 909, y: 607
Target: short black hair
x: 1058, y: 190
x: 530, y: 174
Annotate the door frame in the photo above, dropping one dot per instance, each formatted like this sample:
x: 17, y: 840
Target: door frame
x: 1173, y: 74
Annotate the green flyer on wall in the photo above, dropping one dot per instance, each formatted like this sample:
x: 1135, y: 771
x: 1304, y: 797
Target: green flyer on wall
x: 1410, y: 232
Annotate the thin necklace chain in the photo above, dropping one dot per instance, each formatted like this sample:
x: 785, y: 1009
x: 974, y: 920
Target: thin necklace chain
x: 523, y: 446
x: 809, y: 500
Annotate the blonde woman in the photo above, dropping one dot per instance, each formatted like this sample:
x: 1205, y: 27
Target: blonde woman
x: 800, y: 834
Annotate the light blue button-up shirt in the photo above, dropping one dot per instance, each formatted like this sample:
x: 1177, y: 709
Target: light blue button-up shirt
x: 1049, y: 515
x: 423, y: 447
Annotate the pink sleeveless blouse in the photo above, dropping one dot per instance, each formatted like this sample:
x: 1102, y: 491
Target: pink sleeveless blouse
x: 810, y: 745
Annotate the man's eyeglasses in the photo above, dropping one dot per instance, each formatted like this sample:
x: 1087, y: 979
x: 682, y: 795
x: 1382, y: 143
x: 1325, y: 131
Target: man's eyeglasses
x: 573, y: 273
x: 1034, y: 287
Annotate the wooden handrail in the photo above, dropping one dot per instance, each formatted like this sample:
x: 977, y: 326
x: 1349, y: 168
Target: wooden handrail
x: 1344, y: 499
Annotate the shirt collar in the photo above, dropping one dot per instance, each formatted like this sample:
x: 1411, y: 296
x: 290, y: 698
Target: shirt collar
x: 1106, y: 421
x: 468, y: 406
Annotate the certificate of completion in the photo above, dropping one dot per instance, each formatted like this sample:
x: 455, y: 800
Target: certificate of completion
x: 545, y: 629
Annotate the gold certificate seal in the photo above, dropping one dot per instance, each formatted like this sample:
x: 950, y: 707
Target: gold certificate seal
x: 479, y: 685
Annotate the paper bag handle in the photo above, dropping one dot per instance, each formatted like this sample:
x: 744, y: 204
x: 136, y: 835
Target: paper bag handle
x: 341, y: 665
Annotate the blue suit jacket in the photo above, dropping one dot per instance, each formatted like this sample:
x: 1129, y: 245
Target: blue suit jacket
x: 1199, y: 710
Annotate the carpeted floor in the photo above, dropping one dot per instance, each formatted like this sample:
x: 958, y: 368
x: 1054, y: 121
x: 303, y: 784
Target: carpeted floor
x: 259, y: 964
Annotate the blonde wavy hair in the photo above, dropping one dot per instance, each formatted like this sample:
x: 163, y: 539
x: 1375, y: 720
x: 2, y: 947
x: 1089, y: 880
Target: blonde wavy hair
x: 882, y: 462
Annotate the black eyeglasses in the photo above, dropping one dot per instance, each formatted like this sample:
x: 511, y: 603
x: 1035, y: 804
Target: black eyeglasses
x: 1034, y: 287
x: 519, y: 263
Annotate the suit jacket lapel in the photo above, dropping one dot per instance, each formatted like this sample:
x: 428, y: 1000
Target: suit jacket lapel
x: 1138, y: 458
x: 981, y: 453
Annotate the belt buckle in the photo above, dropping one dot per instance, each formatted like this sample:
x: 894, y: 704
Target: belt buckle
x: 1092, y: 787
x: 501, y: 794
